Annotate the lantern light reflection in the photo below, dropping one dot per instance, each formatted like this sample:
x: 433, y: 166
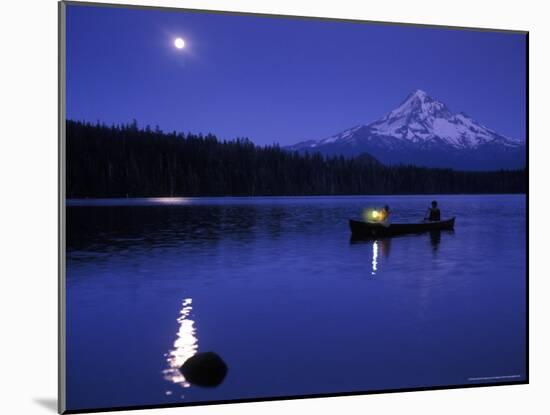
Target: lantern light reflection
x: 374, y: 257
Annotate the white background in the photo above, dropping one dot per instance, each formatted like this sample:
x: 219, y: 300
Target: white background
x: 28, y: 188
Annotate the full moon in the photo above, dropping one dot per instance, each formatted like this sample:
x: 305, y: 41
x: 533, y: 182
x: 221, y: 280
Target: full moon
x: 179, y: 43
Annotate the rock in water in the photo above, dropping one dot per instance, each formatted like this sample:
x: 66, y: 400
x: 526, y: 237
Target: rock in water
x: 204, y: 369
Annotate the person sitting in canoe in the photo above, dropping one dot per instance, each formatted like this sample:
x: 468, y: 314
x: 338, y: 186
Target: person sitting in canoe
x: 385, y: 215
x: 434, y: 214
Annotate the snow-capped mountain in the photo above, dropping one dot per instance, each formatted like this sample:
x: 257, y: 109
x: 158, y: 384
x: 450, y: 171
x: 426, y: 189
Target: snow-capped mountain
x: 424, y: 132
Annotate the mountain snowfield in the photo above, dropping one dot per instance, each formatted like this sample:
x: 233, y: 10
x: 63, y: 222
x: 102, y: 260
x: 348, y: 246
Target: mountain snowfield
x: 424, y: 132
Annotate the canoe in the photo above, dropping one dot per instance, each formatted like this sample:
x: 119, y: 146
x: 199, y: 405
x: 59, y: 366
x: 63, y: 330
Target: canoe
x: 361, y: 229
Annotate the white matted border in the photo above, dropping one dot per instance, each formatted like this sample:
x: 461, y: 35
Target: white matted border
x: 28, y: 178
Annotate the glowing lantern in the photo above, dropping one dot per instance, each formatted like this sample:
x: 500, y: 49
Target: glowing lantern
x: 373, y: 215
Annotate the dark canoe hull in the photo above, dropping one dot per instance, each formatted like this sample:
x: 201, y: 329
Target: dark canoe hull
x: 361, y: 229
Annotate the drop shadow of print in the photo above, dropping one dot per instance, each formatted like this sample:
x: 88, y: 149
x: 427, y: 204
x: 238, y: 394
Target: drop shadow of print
x: 49, y: 403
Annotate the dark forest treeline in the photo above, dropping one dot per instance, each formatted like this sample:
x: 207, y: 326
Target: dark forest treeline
x: 125, y: 161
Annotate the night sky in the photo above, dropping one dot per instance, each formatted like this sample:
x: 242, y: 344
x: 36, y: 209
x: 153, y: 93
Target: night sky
x: 278, y: 79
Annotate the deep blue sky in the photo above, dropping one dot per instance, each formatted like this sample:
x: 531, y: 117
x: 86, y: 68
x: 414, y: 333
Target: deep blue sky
x: 281, y: 80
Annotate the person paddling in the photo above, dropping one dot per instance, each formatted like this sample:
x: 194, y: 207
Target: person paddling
x: 434, y: 214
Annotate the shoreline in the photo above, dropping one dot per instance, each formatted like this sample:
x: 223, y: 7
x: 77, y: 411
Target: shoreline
x: 175, y: 200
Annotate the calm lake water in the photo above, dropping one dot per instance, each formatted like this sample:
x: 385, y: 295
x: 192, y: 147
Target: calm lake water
x: 278, y: 290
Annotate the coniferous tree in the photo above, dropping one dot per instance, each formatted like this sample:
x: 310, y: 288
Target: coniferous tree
x: 126, y: 161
